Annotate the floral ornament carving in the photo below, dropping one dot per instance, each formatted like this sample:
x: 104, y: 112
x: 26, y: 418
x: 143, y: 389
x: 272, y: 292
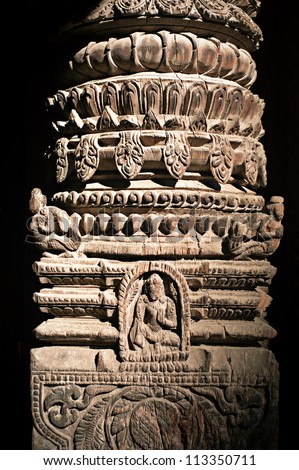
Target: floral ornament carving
x: 168, y: 418
x: 221, y: 159
x: 251, y: 163
x: 62, y: 163
x: 213, y: 9
x: 176, y: 154
x: 63, y: 405
x: 130, y: 7
x: 148, y: 418
x: 87, y: 157
x: 174, y: 7
x: 129, y: 155
x: 251, y: 7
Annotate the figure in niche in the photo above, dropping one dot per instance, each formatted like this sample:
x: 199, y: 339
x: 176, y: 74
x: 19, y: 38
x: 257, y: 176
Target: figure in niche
x: 155, y: 319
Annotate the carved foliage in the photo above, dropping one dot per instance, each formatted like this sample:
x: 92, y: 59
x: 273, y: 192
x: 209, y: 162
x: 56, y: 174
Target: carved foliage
x: 230, y: 12
x: 196, y: 98
x: 110, y: 96
x: 176, y: 154
x: 215, y: 10
x: 62, y: 160
x: 173, y: 98
x: 153, y: 97
x: 221, y: 159
x: 152, y: 418
x: 63, y: 405
x: 129, y: 154
x: 64, y: 402
x: 87, y: 157
x: 130, y: 98
x: 148, y: 418
x: 163, y: 104
x: 251, y: 163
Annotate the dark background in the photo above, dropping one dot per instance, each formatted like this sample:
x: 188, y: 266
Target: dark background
x: 27, y: 80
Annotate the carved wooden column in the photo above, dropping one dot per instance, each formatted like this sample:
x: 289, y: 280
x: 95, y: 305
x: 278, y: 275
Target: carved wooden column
x: 155, y: 249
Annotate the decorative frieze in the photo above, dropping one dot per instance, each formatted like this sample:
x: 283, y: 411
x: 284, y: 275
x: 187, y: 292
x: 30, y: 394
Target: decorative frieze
x: 164, y: 52
x: 189, y: 102
x: 85, y: 409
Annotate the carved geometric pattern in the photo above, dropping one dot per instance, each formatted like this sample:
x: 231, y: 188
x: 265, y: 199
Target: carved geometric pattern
x: 185, y: 198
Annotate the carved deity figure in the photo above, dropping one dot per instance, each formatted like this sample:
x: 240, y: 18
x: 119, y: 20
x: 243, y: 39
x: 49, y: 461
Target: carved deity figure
x: 155, y: 319
x: 260, y: 241
x: 50, y: 226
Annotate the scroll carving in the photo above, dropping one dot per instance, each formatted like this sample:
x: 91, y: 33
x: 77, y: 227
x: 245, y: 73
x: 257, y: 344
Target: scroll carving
x: 179, y: 419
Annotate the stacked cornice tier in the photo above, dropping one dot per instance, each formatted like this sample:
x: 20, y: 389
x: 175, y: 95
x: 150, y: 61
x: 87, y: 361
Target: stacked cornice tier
x: 155, y: 240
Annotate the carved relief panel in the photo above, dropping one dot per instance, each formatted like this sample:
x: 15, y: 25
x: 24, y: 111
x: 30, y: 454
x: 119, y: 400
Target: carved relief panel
x: 155, y: 240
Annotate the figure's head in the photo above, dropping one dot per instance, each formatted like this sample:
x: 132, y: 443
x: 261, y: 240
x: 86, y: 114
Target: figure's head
x: 276, y: 207
x: 155, y: 286
x: 37, y: 201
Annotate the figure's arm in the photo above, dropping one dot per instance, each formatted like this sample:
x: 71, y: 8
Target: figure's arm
x: 170, y: 318
x: 140, y: 309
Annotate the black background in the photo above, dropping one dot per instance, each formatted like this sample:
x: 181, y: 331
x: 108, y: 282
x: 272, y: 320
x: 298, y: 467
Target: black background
x: 27, y: 80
